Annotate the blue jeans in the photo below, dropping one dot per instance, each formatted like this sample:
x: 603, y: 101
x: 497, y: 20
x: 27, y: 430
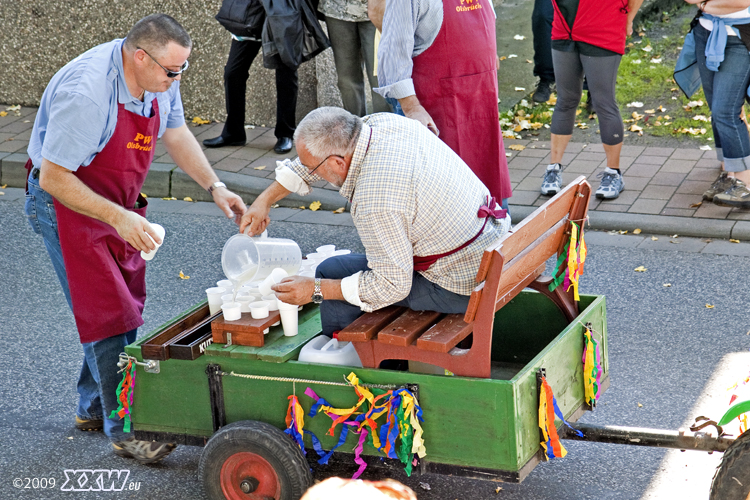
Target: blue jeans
x: 725, y: 92
x: 98, y: 380
x: 423, y: 296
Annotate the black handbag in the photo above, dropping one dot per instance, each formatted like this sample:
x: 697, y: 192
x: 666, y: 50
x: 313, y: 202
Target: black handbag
x: 242, y: 17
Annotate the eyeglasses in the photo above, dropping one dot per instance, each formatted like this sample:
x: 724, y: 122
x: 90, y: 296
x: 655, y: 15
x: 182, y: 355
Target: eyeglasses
x: 322, y: 162
x: 170, y: 73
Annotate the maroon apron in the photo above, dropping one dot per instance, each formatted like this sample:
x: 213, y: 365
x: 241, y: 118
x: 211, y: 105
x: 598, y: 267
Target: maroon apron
x: 424, y: 262
x: 456, y: 82
x: 106, y: 275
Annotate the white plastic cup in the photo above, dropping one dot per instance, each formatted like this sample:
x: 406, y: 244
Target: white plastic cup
x: 274, y: 278
x: 214, y: 299
x: 273, y: 304
x: 289, y: 318
x: 326, y: 250
x: 231, y: 311
x: 245, y: 302
x: 227, y: 298
x: 161, y: 232
x: 259, y: 309
x: 225, y: 284
x: 252, y: 290
x: 315, y: 258
x: 341, y: 252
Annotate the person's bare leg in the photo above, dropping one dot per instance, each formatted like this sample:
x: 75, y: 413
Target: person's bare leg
x: 613, y: 155
x: 558, y: 145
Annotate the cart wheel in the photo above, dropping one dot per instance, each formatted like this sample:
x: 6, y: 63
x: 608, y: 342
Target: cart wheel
x: 732, y: 478
x: 252, y: 460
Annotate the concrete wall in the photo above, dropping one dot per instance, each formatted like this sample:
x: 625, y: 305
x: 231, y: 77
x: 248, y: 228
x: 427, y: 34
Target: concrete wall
x: 39, y: 37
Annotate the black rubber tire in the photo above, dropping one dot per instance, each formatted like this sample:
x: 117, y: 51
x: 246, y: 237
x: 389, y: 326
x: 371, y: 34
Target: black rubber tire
x: 732, y: 478
x: 262, y: 439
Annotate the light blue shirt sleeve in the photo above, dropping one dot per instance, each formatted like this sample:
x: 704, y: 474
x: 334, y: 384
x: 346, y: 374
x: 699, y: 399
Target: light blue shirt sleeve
x: 409, y: 28
x: 68, y: 125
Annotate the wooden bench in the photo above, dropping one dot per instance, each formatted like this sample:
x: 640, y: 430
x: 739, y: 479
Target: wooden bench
x: 514, y: 262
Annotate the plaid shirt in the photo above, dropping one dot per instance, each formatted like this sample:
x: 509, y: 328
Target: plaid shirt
x: 410, y: 195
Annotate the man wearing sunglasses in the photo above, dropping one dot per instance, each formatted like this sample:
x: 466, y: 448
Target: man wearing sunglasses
x: 90, y: 150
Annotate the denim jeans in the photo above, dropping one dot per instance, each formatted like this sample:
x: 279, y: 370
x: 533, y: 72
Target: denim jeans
x: 98, y: 380
x: 353, y: 44
x: 725, y: 92
x: 423, y: 296
x: 541, y: 28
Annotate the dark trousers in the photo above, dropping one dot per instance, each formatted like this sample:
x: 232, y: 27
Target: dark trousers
x: 541, y: 28
x: 423, y: 296
x: 236, y: 73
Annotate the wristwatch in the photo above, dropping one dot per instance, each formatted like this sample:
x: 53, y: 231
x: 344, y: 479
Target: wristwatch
x: 317, y: 296
x: 215, y: 185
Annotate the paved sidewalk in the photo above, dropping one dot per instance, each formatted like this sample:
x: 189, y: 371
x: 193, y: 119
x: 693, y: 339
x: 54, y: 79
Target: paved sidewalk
x: 662, y: 195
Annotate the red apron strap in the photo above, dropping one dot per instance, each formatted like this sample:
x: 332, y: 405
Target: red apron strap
x: 29, y: 166
x: 423, y: 263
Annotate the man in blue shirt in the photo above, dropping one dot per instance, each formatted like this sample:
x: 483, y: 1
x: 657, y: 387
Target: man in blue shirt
x: 90, y: 150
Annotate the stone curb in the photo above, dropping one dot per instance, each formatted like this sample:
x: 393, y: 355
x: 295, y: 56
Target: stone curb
x: 656, y: 224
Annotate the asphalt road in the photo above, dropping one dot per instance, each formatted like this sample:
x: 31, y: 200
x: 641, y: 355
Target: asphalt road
x: 666, y: 348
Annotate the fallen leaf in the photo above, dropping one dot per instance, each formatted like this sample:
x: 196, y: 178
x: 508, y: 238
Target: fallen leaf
x: 249, y: 127
x: 511, y: 56
x: 636, y: 128
x: 701, y: 118
x: 675, y: 236
x: 647, y: 48
x: 694, y: 104
x: 3, y: 186
x: 503, y: 58
x: 661, y: 108
x: 169, y: 199
x: 498, y: 489
x: 667, y: 285
x: 262, y: 167
x: 656, y: 60
x: 709, y: 306
x: 636, y: 61
x: 302, y: 207
x: 552, y: 99
x: 508, y: 134
x: 634, y: 104
x: 2, y: 193
x: 183, y: 277
x: 517, y: 147
x: 508, y: 155
x: 519, y: 37
x: 315, y: 206
x: 144, y: 195
x: 275, y: 205
x: 675, y: 242
x: 636, y: 231
x: 705, y: 148
x: 650, y: 111
x: 696, y: 205
x: 187, y: 198
x: 640, y: 269
x: 339, y: 210
x: 197, y: 120
x: 624, y: 231
x: 529, y: 61
x: 654, y: 238
x: 3, y: 113
x: 520, y: 89
x: 636, y: 115
x: 640, y: 405
x: 734, y: 241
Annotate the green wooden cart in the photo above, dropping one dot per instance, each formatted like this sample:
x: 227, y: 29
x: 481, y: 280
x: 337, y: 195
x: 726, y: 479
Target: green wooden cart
x: 481, y: 428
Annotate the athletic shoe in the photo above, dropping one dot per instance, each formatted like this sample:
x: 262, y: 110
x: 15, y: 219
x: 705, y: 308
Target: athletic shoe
x: 145, y: 452
x: 543, y: 91
x: 720, y: 185
x: 611, y: 184
x: 736, y: 196
x: 93, y: 424
x: 552, y: 180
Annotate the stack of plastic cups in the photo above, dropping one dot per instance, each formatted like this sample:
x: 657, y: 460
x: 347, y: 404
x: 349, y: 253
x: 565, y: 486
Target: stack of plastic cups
x: 274, y: 278
x: 289, y: 318
x: 214, y: 299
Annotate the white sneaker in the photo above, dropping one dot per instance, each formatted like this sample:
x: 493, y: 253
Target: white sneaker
x: 552, y: 180
x: 611, y: 184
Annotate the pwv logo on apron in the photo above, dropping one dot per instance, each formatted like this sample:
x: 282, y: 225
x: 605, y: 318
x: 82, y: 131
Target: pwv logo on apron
x: 143, y: 142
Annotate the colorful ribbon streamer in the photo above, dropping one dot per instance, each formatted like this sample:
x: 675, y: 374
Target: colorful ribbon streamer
x: 295, y: 421
x: 125, y: 395
x: 592, y: 367
x: 575, y: 255
x: 400, y: 436
x: 548, y: 408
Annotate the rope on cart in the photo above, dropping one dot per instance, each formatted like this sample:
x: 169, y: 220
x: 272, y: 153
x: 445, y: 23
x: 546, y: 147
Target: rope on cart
x: 303, y: 381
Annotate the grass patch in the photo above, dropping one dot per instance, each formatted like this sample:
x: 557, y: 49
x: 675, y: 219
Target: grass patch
x: 650, y: 101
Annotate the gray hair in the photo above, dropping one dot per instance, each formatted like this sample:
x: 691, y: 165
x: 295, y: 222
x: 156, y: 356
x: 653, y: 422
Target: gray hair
x: 329, y: 131
x: 154, y: 33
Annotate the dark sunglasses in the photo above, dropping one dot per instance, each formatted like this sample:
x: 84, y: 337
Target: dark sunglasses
x: 170, y: 73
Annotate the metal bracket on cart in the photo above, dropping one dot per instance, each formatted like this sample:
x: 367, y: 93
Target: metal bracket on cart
x: 149, y: 365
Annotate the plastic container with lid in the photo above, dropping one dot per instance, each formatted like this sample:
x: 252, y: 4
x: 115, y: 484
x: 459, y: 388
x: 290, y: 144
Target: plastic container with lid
x: 330, y: 351
x: 245, y: 259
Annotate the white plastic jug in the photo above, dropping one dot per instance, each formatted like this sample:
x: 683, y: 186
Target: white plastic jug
x: 330, y: 351
x: 246, y: 258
